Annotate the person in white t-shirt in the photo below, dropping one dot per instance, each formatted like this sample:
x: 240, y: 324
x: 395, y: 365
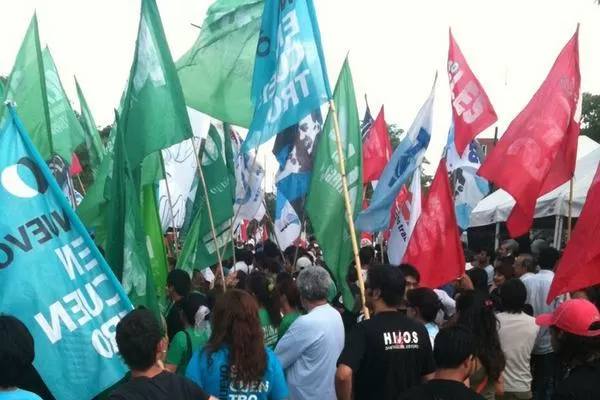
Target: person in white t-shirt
x: 481, y: 260
x: 518, y: 332
x: 245, y: 260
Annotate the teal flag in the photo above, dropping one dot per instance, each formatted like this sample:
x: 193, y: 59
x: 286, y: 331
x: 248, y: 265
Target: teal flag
x: 216, y: 73
x: 325, y: 202
x: 52, y: 276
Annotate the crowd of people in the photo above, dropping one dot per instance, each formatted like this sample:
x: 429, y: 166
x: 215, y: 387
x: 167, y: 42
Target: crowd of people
x: 275, y: 327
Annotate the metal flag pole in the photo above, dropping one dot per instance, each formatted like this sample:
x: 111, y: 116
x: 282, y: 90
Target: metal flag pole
x: 569, y: 221
x: 173, y: 225
x: 349, y: 216
x: 210, y: 216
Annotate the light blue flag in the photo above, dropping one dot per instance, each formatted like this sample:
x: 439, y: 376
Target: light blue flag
x: 468, y: 187
x: 290, y: 77
x: 52, y: 276
x: 406, y: 158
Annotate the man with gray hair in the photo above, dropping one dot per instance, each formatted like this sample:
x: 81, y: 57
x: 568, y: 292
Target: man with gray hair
x: 509, y: 247
x: 309, y: 350
x: 524, y: 266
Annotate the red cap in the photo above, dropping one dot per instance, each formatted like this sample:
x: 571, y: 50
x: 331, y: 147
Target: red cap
x: 573, y: 316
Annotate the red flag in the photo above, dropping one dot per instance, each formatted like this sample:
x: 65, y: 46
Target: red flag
x: 539, y: 149
x: 75, y: 168
x: 579, y: 266
x: 434, y: 247
x: 377, y: 149
x: 471, y: 108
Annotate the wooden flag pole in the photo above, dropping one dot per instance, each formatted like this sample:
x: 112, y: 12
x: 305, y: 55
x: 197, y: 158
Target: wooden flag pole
x: 173, y: 226
x: 349, y: 216
x: 569, y: 221
x: 210, y: 216
x: 81, y: 184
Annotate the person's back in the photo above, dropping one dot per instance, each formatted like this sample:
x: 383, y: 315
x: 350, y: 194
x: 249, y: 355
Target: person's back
x: 165, y: 385
x: 309, y: 350
x: 388, y: 353
x: 454, y: 352
x: 392, y: 352
x: 517, y: 332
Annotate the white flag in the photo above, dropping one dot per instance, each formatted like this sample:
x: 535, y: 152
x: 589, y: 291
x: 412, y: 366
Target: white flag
x: 405, y: 218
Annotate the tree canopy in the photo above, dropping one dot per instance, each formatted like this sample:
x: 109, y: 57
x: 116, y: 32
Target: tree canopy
x: 590, y: 116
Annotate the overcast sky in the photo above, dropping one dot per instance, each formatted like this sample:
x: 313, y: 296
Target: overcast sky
x: 395, y: 48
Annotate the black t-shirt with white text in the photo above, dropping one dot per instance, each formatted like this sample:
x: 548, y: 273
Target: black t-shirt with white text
x: 388, y: 354
x: 160, y: 387
x: 439, y: 389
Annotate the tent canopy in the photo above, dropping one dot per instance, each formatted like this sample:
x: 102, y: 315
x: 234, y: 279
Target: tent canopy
x: 498, y: 205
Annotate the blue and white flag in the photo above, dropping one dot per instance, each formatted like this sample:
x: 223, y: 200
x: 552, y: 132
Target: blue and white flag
x: 52, y: 276
x: 294, y: 148
x: 469, y: 188
x: 290, y: 77
x: 406, y: 158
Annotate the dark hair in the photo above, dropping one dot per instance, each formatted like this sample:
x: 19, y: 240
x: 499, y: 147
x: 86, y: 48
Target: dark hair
x: 289, y: 289
x: 235, y: 324
x: 190, y: 305
x: 481, y: 249
x: 264, y: 291
x: 409, y: 270
x: 283, y: 276
x: 479, y: 278
x: 352, y: 275
x: 426, y: 301
x: 366, y: 255
x: 389, y: 280
x: 181, y: 282
x: 17, y: 351
x: 244, y: 255
x: 475, y: 310
x: 138, y: 336
x: 469, y: 255
x: 242, y: 278
x: 575, y: 350
x: 513, y: 295
x: 453, y: 345
x: 506, y: 267
x: 548, y: 258
x: 272, y: 266
x: 271, y: 250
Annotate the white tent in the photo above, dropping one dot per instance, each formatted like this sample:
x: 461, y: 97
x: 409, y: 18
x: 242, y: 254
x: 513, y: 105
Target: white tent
x: 497, y: 206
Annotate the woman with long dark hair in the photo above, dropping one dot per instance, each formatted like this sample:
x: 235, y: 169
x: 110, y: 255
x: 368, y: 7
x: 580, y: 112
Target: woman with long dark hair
x: 475, y: 310
x: 235, y: 361
x: 263, y: 289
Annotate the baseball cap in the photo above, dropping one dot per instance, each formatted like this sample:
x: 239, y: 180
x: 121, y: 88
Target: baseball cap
x: 574, y: 316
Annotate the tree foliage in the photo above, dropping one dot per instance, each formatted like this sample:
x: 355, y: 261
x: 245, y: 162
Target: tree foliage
x: 590, y: 116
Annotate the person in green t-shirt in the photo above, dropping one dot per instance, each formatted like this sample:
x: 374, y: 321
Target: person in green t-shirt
x: 195, y: 334
x: 261, y: 287
x: 289, y: 298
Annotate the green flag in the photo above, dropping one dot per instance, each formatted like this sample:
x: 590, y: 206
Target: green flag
x: 216, y: 73
x: 26, y: 87
x: 126, y: 249
x: 325, y: 202
x: 199, y: 250
x: 154, y: 115
x: 154, y: 238
x: 65, y: 127
x: 93, y: 143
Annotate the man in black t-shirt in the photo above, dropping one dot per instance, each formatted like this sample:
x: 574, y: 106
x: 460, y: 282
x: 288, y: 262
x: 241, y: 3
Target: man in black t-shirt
x: 141, y: 344
x: 388, y: 353
x: 453, y: 352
